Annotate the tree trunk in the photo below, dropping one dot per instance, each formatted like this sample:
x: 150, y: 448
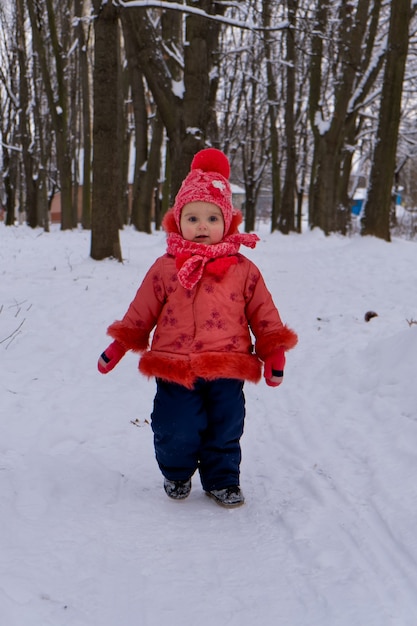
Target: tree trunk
x: 58, y: 104
x: 86, y: 118
x: 286, y: 221
x: 196, y: 104
x: 140, y: 117
x: 272, y: 114
x: 376, y: 220
x: 43, y: 126
x: 105, y: 219
x: 24, y: 125
x: 331, y: 128
x: 250, y: 207
x: 9, y: 181
x: 59, y: 115
x: 185, y: 119
x: 123, y: 135
x: 149, y: 180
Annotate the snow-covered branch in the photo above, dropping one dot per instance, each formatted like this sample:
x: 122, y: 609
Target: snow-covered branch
x: 176, y: 6
x: 10, y: 147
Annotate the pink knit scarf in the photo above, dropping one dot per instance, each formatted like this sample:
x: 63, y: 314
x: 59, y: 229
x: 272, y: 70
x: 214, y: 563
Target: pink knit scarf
x: 191, y: 257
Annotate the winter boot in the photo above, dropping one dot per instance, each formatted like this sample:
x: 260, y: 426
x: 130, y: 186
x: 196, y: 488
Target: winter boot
x: 228, y: 497
x: 177, y: 489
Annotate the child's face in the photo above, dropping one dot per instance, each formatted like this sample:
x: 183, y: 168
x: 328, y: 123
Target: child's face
x: 202, y: 222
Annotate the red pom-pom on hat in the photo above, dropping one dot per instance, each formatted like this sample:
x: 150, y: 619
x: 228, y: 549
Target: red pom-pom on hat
x: 207, y: 181
x: 212, y: 160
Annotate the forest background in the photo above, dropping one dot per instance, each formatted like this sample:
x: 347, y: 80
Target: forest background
x: 106, y: 103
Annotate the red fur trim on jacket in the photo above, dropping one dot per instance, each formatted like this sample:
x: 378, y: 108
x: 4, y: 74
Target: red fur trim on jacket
x: 173, y: 370
x: 131, y: 338
x: 209, y: 366
x: 212, y: 365
x: 267, y: 344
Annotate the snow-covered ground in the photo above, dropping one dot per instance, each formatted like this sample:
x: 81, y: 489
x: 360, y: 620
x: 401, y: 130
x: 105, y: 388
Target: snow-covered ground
x: 328, y: 533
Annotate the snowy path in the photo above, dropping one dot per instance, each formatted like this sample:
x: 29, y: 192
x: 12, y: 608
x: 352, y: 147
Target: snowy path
x: 327, y: 537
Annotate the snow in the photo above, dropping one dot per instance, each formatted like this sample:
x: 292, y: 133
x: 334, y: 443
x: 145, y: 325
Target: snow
x: 327, y: 535
x: 322, y: 125
x: 178, y: 88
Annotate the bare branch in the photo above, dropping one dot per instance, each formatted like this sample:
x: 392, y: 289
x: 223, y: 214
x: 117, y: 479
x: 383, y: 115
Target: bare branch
x: 175, y: 6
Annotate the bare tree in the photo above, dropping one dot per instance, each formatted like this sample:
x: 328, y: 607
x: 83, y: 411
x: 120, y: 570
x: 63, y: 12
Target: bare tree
x: 185, y: 116
x: 138, y: 137
x: 106, y: 221
x: 253, y: 145
x: 286, y: 220
x: 248, y: 110
x: 376, y: 220
x: 85, y: 99
x: 24, y: 122
x: 273, y: 108
x: 8, y: 114
x: 337, y: 67
x: 45, y: 31
x: 184, y: 88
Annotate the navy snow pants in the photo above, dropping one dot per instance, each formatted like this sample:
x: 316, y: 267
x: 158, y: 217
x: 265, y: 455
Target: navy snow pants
x: 200, y: 429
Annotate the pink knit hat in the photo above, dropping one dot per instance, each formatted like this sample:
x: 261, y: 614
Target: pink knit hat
x: 208, y: 181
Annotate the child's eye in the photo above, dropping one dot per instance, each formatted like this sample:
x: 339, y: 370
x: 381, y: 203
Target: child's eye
x: 213, y: 218
x: 192, y: 219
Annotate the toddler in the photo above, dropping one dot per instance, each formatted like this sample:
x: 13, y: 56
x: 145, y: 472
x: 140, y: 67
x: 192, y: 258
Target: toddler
x: 204, y: 301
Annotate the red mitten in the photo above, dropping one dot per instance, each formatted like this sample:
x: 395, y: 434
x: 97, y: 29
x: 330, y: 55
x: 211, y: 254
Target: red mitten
x: 274, y: 368
x: 110, y: 357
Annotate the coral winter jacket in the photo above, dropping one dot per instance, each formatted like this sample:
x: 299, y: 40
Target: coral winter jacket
x: 204, y: 332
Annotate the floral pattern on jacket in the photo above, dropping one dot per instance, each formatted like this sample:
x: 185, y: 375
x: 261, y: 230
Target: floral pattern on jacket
x: 204, y: 332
